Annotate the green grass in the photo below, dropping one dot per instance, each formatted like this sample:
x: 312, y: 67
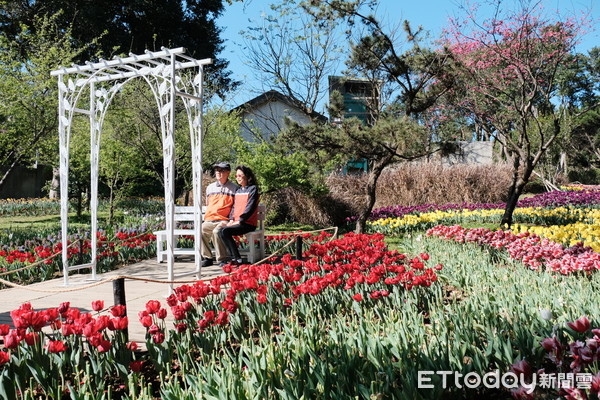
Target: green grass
x: 50, y: 221
x: 289, y: 227
x: 489, y: 225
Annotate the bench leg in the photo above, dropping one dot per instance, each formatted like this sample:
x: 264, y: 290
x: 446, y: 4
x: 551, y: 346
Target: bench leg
x: 252, y: 252
x: 159, y: 248
x: 261, y: 243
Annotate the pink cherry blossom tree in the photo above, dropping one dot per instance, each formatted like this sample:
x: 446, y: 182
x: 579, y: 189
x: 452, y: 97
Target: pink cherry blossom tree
x: 506, y: 79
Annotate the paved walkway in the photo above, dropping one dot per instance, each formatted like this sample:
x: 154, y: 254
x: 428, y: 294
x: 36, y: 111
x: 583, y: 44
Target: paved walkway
x: 137, y: 292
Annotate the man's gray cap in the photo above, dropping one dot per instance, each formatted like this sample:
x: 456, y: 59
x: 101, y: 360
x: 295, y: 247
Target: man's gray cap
x: 223, y: 165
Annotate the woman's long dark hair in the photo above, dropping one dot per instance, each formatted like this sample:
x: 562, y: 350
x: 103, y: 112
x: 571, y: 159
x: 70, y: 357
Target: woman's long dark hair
x: 249, y: 175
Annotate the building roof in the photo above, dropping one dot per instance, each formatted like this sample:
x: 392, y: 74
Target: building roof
x: 272, y: 96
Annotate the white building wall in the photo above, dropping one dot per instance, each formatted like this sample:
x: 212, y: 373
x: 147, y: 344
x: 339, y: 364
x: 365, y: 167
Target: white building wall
x: 268, y: 119
x: 480, y: 152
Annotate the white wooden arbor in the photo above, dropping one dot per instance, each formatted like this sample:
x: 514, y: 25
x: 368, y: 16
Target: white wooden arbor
x: 102, y: 80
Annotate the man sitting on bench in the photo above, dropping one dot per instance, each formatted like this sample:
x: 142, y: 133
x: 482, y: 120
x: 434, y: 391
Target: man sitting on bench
x: 219, y: 202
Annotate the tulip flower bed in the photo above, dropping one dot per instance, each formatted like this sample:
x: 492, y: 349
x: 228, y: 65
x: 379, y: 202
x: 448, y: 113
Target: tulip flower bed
x: 579, y: 187
x: 567, y: 235
x: 528, y: 215
x: 280, y: 243
x: 44, y: 206
x: 535, y: 252
x: 537, y: 315
x: 352, y: 320
x: 575, y: 352
x: 28, y: 207
x: 79, y: 351
x: 212, y: 319
x: 588, y: 196
x: 122, y: 247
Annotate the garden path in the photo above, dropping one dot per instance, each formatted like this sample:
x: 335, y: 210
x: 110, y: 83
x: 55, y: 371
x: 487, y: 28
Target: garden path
x: 137, y: 292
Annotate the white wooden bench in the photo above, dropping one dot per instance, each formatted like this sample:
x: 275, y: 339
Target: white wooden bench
x: 256, y: 236
x: 185, y: 214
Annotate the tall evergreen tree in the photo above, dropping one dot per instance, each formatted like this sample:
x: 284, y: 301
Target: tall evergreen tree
x: 123, y: 26
x: 28, y: 99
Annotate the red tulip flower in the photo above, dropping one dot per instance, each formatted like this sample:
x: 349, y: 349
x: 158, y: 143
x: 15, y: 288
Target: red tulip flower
x: 12, y: 340
x: 104, y: 346
x: 595, y: 389
x: 136, y: 366
x: 209, y: 315
x: 4, y: 357
x: 118, y: 324
x: 56, y: 346
x: 146, y: 321
x: 203, y: 324
x: 162, y: 313
x: 64, y: 307
x: 158, y: 338
x: 172, y: 300
x: 152, y: 306
x: 153, y: 329
x: 178, y: 313
x: 133, y: 346
x: 118, y: 310
x: 522, y: 368
x: 31, y: 338
x: 222, y: 319
x: 580, y: 325
x: 97, y: 305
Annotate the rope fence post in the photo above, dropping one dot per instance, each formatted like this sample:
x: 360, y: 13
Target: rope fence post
x: 298, y: 247
x: 119, y: 298
x: 80, y: 255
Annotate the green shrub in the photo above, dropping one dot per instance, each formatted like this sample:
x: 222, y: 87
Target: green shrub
x: 586, y: 176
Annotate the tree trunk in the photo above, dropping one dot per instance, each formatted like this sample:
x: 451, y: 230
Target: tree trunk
x: 371, y: 188
x: 79, y: 204
x: 111, y: 205
x: 515, y: 191
x: 563, y: 164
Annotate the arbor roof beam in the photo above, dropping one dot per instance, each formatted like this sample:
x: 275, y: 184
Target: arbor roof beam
x: 162, y: 57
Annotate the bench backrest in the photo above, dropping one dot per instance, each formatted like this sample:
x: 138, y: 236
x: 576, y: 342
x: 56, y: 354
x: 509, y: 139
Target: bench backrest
x: 186, y: 214
x: 262, y: 212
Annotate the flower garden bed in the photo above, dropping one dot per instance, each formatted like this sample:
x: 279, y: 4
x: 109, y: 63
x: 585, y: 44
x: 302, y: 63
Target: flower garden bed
x: 27, y: 259
x: 353, y: 319
x: 345, y: 276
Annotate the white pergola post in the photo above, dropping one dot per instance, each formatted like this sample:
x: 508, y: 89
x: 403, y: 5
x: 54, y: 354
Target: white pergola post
x: 197, y: 136
x: 169, y: 168
x: 94, y: 158
x: 64, y: 141
x: 193, y: 107
x: 103, y: 79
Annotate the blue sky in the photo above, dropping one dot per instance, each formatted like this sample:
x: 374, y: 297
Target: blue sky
x: 432, y: 15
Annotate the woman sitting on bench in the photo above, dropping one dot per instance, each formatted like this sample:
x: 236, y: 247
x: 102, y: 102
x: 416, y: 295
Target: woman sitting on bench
x: 244, y: 214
